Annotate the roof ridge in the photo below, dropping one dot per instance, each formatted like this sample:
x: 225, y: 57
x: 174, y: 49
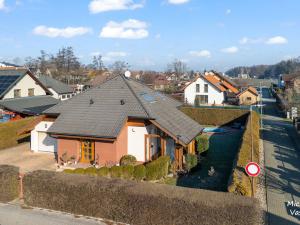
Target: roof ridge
x: 134, y: 94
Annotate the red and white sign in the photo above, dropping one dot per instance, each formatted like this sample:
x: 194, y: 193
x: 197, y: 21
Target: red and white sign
x: 252, y: 169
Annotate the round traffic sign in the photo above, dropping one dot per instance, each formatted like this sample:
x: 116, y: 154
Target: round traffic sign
x: 252, y: 169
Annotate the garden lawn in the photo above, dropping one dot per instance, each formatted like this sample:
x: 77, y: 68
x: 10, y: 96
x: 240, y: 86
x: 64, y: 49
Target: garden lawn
x: 8, y: 133
x: 221, y: 154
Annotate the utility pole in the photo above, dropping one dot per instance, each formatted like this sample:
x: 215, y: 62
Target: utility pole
x: 261, y: 106
x: 251, y: 126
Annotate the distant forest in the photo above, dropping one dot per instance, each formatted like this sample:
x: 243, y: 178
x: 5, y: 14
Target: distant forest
x: 267, y: 71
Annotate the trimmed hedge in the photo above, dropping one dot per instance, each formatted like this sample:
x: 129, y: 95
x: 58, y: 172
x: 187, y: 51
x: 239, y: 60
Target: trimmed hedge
x: 137, y: 203
x: 240, y: 182
x: 216, y: 117
x: 103, y: 172
x: 116, y: 171
x: 127, y: 172
x: 139, y: 172
x: 158, y: 168
x: 9, y: 183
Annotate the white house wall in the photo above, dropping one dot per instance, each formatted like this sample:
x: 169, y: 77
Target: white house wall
x: 214, y: 96
x: 24, y: 84
x: 40, y: 140
x: 136, y: 142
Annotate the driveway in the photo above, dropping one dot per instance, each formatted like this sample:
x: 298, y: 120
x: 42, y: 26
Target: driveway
x: 27, y: 160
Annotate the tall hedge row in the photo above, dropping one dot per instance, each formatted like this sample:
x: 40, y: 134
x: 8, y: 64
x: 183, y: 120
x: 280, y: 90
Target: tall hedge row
x: 217, y: 117
x: 9, y: 183
x: 136, y: 202
x: 240, y: 182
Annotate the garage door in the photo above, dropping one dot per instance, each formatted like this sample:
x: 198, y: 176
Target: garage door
x: 46, y: 143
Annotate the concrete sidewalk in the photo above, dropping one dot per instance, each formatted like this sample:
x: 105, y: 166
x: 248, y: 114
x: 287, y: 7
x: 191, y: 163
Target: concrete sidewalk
x: 282, y: 164
x: 14, y: 214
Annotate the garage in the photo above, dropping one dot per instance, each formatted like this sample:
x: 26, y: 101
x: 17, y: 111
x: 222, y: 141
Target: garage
x: 46, y: 143
x: 40, y: 140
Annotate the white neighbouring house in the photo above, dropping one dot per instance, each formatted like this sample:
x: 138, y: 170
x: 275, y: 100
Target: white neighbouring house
x: 208, y: 89
x: 40, y: 140
x: 58, y: 89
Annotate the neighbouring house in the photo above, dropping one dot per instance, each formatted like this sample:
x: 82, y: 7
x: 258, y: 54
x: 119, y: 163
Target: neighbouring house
x: 20, y: 82
x: 22, y: 94
x: 119, y: 117
x: 161, y: 83
x: 249, y: 96
x: 208, y: 89
x: 58, y: 89
x: 292, y: 81
x: 18, y: 108
x: 98, y: 79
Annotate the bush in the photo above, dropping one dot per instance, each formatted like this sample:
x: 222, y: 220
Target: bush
x: 9, y: 183
x: 79, y: 171
x: 91, y: 171
x: 103, y: 172
x: 202, y: 143
x: 116, y: 171
x: 137, y: 202
x: 128, y: 160
x: 139, y: 172
x: 191, y: 161
x: 69, y: 171
x: 127, y: 171
x: 158, y: 169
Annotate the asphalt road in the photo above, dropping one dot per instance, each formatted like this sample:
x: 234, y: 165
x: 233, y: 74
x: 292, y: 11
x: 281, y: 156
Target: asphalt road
x: 11, y: 214
x: 282, y: 167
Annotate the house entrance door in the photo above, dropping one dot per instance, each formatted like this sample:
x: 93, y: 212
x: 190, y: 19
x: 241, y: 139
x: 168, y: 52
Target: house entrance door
x: 87, y: 151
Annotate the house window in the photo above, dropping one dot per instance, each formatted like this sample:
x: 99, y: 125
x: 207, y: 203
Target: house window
x: 63, y: 96
x: 197, y: 87
x: 30, y: 91
x: 201, y: 99
x: 249, y: 98
x: 205, y: 88
x: 17, y: 93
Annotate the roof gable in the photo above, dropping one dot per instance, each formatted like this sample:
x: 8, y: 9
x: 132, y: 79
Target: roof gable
x: 10, y: 77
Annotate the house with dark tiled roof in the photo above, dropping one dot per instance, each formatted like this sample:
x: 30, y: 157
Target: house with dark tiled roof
x: 22, y: 94
x: 209, y: 89
x: 58, y: 89
x: 117, y: 118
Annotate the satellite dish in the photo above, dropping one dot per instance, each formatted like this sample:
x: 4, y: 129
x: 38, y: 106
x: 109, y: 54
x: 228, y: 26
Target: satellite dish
x: 127, y: 74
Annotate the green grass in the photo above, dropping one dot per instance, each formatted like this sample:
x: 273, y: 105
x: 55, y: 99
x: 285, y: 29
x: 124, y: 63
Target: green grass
x: 222, y: 151
x: 8, y: 132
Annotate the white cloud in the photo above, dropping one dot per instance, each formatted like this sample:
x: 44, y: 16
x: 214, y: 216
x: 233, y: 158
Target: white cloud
x: 117, y: 54
x: 277, y: 40
x: 2, y: 5
x: 128, y: 29
x: 228, y: 11
x: 246, y: 40
x: 202, y: 53
x: 67, y: 32
x: 98, y: 6
x: 230, y: 50
x: 178, y: 2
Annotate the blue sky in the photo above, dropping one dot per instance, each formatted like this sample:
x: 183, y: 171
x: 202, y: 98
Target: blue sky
x: 148, y: 34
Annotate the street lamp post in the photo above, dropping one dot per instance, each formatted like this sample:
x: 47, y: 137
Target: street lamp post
x: 251, y: 129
